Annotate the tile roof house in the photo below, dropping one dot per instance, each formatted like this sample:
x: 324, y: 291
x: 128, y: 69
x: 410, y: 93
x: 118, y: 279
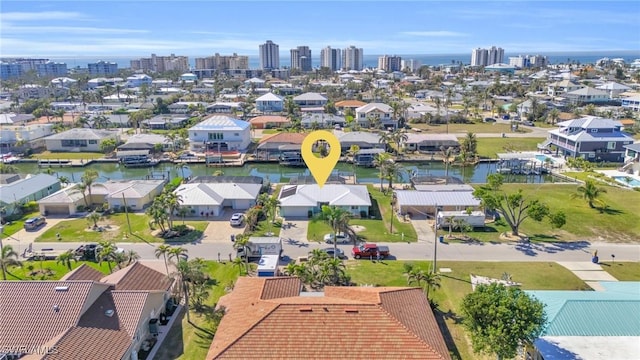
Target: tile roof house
x: 590, y: 137
x: 82, y: 316
x: 302, y: 200
x: 594, y: 325
x: 271, y: 147
x: 268, y: 122
x: 137, y: 194
x: 269, y: 318
x: 79, y: 140
x: 206, y: 199
x: 31, y: 188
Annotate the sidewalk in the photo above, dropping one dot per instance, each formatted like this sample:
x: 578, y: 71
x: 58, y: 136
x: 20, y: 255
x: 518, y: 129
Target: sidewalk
x: 589, y: 272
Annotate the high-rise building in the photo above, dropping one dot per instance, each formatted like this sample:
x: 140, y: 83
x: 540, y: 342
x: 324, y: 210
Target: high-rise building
x: 412, y: 64
x: 10, y: 70
x: 301, y: 58
x: 331, y: 58
x: 390, y: 63
x: 102, y: 68
x: 223, y: 62
x: 484, y: 57
x: 528, y: 61
x: 352, y: 58
x: 51, y: 69
x: 269, y: 56
x: 161, y: 63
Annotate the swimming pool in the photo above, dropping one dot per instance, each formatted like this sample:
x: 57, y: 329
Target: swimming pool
x: 544, y: 158
x: 623, y: 180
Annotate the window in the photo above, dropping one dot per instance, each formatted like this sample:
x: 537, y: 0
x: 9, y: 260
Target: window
x: 216, y: 136
x: 93, y: 142
x: 594, y: 130
x: 236, y: 134
x: 611, y: 145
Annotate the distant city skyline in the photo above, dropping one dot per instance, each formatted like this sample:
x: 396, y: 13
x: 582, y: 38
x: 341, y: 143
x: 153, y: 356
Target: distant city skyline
x: 192, y: 28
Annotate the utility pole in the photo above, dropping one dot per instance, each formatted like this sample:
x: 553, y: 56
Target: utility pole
x: 126, y: 212
x: 435, y: 238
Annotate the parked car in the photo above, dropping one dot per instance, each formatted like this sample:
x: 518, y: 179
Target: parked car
x: 370, y: 251
x: 342, y: 238
x: 528, y: 123
x: 330, y: 251
x: 187, y: 156
x: 237, y: 219
x: 34, y: 223
x: 90, y: 251
x: 489, y: 119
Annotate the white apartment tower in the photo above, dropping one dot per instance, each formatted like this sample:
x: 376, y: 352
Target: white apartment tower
x: 331, y: 58
x: 269, y: 56
x: 390, y: 63
x: 479, y: 57
x: 301, y: 58
x: 496, y: 56
x: 412, y: 64
x: 352, y: 58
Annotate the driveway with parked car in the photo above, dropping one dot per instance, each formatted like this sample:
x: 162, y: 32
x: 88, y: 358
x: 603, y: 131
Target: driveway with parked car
x: 220, y: 228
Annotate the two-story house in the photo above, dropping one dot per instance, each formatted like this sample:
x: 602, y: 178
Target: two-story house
x: 79, y: 140
x: 592, y: 138
x: 310, y: 100
x: 559, y: 88
x: 220, y: 133
x: 270, y: 102
x: 17, y: 138
x: 383, y: 112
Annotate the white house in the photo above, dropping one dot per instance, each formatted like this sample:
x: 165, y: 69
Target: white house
x: 587, y: 95
x: 209, y: 199
x: 381, y: 111
x: 613, y: 88
x: 424, y: 202
x: 220, y: 133
x: 12, y: 136
x: 310, y: 99
x: 79, y: 140
x: 32, y: 188
x: 138, y: 80
x: 269, y: 102
x: 306, y: 200
x: 430, y: 142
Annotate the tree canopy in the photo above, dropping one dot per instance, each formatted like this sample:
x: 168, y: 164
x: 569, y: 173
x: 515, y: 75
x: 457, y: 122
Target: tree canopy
x: 500, y: 319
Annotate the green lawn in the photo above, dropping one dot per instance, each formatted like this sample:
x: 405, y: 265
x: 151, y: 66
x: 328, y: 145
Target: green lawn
x: 48, y: 270
x: 456, y: 284
x: 496, y: 128
x: 623, y: 271
x: 15, y: 226
x: 490, y: 147
x: 620, y: 223
x: 47, y: 155
x: 188, y: 341
x: 373, y: 230
x: 78, y: 230
x: 271, y: 131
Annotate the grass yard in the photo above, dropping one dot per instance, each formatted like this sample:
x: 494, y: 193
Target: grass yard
x: 623, y: 271
x: 15, y: 226
x: 488, y: 148
x: 620, y: 223
x: 48, y: 155
x: 48, y: 270
x: 116, y: 229
x: 456, y: 284
x: 188, y: 341
x: 373, y: 230
x: 476, y: 128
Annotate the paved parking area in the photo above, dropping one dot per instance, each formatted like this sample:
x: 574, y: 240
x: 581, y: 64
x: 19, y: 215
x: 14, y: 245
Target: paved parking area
x: 30, y: 236
x: 297, y: 231
x: 219, y: 229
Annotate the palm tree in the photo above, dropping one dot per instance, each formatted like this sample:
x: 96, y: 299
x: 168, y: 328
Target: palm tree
x: 385, y: 138
x: 172, y: 202
x: 183, y: 270
x: 106, y: 253
x: 553, y: 115
x: 591, y: 193
x: 163, y: 250
x: 94, y: 217
x: 66, y: 258
x: 241, y: 243
x: 351, y: 153
x: 87, y: 181
x: 8, y: 257
x: 239, y: 262
x: 447, y: 158
x: 380, y: 162
x: 132, y: 256
x: 177, y: 253
x: 393, y: 170
x: 414, y: 274
x: 337, y: 218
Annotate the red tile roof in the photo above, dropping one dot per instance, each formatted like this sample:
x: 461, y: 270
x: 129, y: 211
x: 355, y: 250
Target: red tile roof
x: 350, y: 103
x: 389, y: 323
x: 83, y: 272
x: 280, y: 287
x: 287, y: 138
x: 90, y: 344
x: 269, y: 119
x: 138, y: 277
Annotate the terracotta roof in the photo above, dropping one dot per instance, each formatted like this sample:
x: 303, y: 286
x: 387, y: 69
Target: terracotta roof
x: 628, y: 122
x: 138, y: 277
x: 91, y: 344
x: 83, y: 272
x: 127, y: 308
x: 268, y: 118
x: 33, y: 312
x: 280, y: 287
x: 284, y: 137
x: 350, y: 103
x: 397, y: 322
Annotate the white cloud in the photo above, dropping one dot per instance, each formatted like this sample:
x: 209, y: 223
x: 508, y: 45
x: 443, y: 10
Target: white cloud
x: 43, y: 15
x: 81, y: 30
x: 441, y: 33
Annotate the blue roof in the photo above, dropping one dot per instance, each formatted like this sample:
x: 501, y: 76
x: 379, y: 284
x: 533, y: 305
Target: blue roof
x: 613, y: 312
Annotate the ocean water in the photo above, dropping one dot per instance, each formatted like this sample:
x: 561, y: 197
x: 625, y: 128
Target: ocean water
x: 372, y: 60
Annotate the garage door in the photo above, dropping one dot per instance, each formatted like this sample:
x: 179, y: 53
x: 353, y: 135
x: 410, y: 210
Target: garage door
x: 57, y: 210
x: 294, y: 211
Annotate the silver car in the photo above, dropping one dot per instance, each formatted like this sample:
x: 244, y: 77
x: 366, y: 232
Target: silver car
x: 237, y: 219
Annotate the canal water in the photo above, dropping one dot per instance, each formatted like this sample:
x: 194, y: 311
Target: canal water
x: 280, y: 174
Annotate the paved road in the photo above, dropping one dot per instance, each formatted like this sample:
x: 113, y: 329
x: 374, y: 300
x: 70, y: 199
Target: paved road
x: 574, y: 251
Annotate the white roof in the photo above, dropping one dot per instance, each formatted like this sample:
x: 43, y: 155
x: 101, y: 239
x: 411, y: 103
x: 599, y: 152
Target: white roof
x: 417, y: 138
x: 433, y: 198
x: 358, y: 136
x: 333, y: 194
x: 269, y: 97
x: 587, y: 91
x: 588, y: 347
x: 374, y: 106
x: 216, y: 193
x: 220, y: 122
x: 22, y: 188
x: 612, y: 86
x: 309, y: 96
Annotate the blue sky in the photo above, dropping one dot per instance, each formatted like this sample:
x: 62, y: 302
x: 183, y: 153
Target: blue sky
x: 128, y: 28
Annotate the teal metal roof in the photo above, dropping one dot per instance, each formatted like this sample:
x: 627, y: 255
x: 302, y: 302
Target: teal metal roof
x: 613, y: 312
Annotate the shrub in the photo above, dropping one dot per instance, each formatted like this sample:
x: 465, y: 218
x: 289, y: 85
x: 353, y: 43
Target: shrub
x: 29, y: 207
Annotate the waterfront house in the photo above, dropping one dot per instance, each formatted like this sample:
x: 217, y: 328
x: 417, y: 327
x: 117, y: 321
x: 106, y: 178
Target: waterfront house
x: 366, y: 157
x: 273, y: 315
x: 270, y: 102
x: 310, y: 100
x: 79, y: 140
x: 430, y: 143
x: 416, y: 202
x: 185, y: 107
x: 165, y: 122
x: 590, y: 137
x: 220, y: 133
x: 87, y: 315
x: 381, y: 111
x: 224, y: 107
x: 268, y: 122
x: 364, y: 140
x: 632, y: 159
x: 587, y: 95
x: 307, y: 200
x: 31, y: 188
x: 322, y: 120
x: 19, y: 138
x: 206, y: 196
x: 271, y: 147
x: 148, y: 142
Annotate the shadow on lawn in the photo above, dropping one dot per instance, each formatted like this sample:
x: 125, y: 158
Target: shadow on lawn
x: 444, y: 329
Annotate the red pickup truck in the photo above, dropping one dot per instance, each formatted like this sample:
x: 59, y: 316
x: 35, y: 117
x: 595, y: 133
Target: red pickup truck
x: 370, y: 251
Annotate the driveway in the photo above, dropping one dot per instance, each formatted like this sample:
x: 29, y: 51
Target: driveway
x: 294, y: 231
x: 30, y: 236
x: 220, y: 230
x: 424, y: 228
